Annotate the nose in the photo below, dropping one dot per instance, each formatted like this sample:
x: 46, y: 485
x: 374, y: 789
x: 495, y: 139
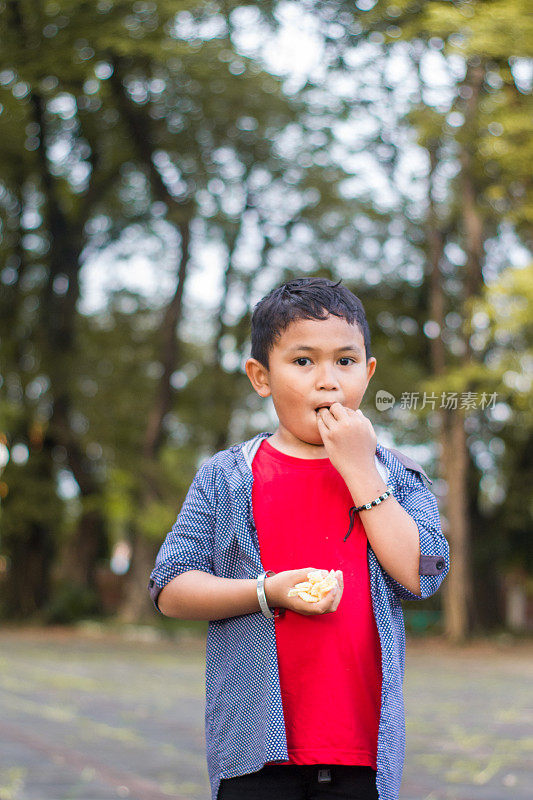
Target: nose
x: 326, y: 377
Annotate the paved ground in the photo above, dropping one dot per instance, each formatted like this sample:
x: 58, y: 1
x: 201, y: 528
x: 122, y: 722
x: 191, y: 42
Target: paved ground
x: 85, y: 717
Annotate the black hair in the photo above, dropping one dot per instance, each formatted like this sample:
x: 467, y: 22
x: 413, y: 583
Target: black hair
x: 303, y: 298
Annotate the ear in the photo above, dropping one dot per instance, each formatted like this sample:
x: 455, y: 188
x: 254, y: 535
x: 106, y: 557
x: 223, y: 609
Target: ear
x: 259, y: 377
x: 371, y: 365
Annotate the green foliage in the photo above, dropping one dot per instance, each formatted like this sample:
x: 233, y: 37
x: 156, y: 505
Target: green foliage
x: 123, y: 123
x: 157, y: 517
x: 495, y: 37
x: 69, y: 604
x: 30, y: 503
x: 500, y: 332
x: 505, y: 312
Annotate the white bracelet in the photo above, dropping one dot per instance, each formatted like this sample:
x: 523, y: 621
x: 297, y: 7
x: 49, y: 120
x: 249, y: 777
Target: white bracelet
x: 261, y: 594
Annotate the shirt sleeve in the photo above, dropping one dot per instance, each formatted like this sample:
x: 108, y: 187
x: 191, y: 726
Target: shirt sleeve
x: 421, y: 505
x: 189, y: 544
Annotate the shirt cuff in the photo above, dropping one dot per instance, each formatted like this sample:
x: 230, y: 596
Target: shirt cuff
x: 154, y: 591
x: 431, y: 565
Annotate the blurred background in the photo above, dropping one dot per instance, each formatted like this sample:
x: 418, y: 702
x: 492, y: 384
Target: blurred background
x: 165, y: 164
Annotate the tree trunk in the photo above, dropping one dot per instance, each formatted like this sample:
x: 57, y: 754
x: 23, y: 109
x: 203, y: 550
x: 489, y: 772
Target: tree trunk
x: 30, y: 544
x: 223, y: 406
x: 454, y: 449
x: 82, y: 552
x: 458, y: 587
x: 457, y: 591
x: 28, y: 580
x: 57, y: 333
x: 471, y: 216
x: 137, y: 604
x: 453, y: 455
x: 169, y: 354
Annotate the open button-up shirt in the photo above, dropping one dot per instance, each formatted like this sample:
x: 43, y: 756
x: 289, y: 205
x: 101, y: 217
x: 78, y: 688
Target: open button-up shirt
x: 215, y: 532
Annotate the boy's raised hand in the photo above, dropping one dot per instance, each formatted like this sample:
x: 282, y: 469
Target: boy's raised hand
x: 277, y: 593
x: 348, y: 436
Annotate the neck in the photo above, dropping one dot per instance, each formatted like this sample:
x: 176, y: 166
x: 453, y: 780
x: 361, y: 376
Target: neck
x: 291, y: 446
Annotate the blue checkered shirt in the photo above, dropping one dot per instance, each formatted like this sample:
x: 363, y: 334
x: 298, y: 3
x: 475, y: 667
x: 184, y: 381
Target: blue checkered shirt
x: 215, y: 532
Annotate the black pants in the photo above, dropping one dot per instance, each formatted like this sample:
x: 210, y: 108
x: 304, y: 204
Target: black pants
x: 294, y: 782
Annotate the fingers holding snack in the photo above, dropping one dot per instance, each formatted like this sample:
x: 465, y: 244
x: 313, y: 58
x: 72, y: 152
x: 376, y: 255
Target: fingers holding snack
x: 316, y: 586
x: 320, y: 594
x: 339, y: 591
x: 277, y: 586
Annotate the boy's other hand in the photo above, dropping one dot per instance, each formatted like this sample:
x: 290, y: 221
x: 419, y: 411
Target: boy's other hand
x: 349, y: 438
x: 277, y: 592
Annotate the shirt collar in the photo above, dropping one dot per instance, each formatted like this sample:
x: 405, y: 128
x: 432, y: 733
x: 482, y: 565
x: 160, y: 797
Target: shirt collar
x: 249, y: 449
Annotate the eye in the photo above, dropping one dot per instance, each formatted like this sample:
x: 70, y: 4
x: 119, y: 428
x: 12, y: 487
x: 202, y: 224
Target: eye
x: 299, y: 361
x: 346, y: 361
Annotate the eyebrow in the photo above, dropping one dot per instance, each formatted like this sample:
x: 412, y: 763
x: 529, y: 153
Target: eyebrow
x: 300, y: 347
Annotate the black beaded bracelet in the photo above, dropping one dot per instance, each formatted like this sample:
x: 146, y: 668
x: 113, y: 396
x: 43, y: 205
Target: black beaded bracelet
x: 356, y: 509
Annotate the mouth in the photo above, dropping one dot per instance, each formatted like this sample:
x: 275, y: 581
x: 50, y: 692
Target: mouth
x: 324, y: 405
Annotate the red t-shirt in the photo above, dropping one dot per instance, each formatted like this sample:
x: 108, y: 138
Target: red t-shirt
x: 330, y: 665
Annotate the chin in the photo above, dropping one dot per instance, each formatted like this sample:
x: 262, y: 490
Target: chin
x: 306, y: 434
x: 312, y: 438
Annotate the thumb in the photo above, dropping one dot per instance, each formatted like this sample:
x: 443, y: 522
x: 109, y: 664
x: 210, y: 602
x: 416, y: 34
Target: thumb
x: 304, y: 572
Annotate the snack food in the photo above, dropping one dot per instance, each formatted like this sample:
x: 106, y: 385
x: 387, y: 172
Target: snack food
x: 315, y: 587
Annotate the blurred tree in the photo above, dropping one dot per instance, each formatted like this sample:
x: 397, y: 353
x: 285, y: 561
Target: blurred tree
x: 156, y: 129
x: 500, y: 332
x: 471, y: 109
x: 140, y: 118
x: 135, y: 94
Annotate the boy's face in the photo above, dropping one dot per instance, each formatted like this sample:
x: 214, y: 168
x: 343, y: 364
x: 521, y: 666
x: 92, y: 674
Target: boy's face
x: 314, y: 363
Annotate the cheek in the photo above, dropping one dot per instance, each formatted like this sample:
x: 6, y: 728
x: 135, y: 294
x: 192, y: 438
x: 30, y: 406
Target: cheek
x: 354, y: 397
x: 359, y: 385
x: 287, y: 392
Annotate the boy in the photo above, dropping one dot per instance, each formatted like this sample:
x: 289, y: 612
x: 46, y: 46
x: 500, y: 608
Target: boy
x: 304, y: 700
